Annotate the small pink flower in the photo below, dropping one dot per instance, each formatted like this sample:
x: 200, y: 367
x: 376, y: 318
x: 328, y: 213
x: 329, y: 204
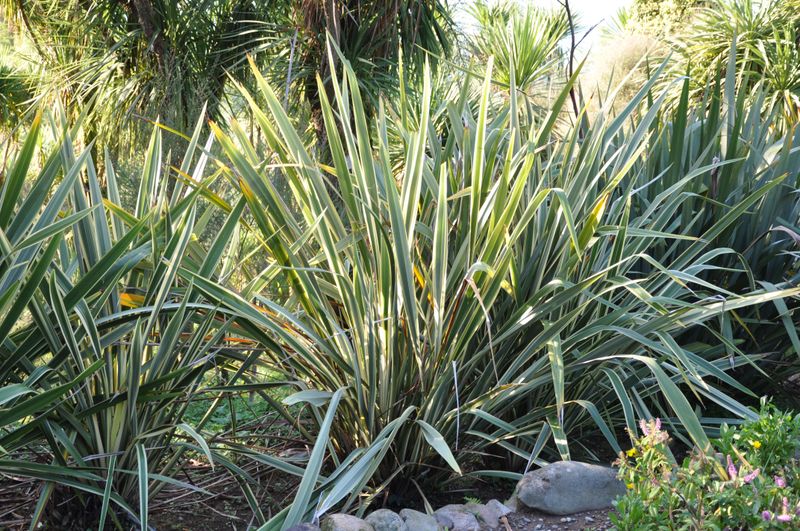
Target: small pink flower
x: 643, y: 426
x: 766, y: 515
x: 751, y: 476
x: 732, y: 472
x: 785, y: 517
x: 780, y: 482
x: 658, y: 424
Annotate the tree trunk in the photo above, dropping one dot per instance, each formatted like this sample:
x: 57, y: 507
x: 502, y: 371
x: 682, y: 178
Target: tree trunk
x: 151, y: 26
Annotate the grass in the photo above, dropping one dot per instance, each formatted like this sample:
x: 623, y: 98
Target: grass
x: 239, y: 413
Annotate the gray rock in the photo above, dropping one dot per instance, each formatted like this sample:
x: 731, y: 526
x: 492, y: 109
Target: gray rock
x: 512, y: 503
x: 568, y: 487
x: 386, y: 520
x: 345, y: 522
x: 443, y: 520
x: 460, y: 518
x: 485, y: 515
x: 500, y: 508
x: 417, y: 521
x: 304, y: 527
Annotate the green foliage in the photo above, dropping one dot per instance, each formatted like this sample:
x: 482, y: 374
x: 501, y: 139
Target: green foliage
x: 761, y: 36
x: 524, y: 43
x: 658, y: 17
x: 508, y: 289
x: 764, y: 245
x: 104, y: 346
x: 154, y: 58
x: 170, y: 59
x: 770, y: 441
x: 15, y: 94
x: 450, y: 280
x: 373, y: 35
x: 733, y: 489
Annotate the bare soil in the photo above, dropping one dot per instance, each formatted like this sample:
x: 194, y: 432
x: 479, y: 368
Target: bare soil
x: 536, y: 521
x: 174, y: 509
x: 226, y: 509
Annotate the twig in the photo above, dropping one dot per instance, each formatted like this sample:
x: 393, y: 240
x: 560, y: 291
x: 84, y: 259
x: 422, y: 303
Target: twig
x: 571, y: 63
x: 458, y: 405
x: 583, y: 38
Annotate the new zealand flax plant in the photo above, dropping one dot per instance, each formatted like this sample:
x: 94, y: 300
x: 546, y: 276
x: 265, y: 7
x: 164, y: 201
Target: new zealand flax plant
x: 501, y: 292
x: 104, y: 347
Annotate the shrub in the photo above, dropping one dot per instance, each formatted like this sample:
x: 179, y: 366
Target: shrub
x: 741, y: 486
x: 760, y: 37
x: 502, y: 291
x: 474, y: 286
x: 769, y: 441
x: 104, y: 347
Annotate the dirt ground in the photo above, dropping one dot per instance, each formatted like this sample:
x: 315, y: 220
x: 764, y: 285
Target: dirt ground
x: 176, y: 509
x: 535, y: 521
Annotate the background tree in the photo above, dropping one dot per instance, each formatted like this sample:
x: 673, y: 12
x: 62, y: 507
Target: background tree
x: 167, y: 57
x: 370, y: 34
x: 523, y: 40
x: 151, y: 57
x: 762, y: 37
x: 660, y: 17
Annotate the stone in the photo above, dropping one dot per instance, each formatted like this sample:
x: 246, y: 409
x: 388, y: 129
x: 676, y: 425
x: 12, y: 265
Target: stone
x: 460, y: 518
x: 386, y: 520
x: 417, y: 521
x: 442, y: 520
x: 345, y: 522
x: 500, y: 508
x: 568, y: 487
x: 512, y: 503
x: 304, y: 527
x: 486, y: 515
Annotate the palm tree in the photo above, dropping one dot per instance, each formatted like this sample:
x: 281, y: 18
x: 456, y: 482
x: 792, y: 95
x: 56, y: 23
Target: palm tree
x: 761, y: 37
x: 152, y: 57
x: 370, y: 35
x: 522, y: 41
x: 167, y: 57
